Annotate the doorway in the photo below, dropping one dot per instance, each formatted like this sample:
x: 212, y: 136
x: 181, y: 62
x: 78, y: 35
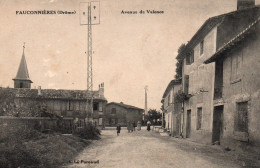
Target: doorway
x: 188, y: 124
x: 217, y: 124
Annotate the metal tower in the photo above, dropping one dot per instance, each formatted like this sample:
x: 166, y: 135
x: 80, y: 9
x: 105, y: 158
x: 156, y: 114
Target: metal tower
x: 92, y: 17
x: 89, y: 68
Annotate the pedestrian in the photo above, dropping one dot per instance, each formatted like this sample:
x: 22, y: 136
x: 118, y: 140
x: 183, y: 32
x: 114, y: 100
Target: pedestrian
x: 131, y: 127
x: 118, y: 128
x: 128, y: 126
x: 148, y: 126
x: 134, y: 125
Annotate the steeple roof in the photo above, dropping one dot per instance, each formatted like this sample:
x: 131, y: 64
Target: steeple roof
x: 22, y: 73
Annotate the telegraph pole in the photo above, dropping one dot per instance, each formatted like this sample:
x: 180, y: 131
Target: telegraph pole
x: 145, y: 103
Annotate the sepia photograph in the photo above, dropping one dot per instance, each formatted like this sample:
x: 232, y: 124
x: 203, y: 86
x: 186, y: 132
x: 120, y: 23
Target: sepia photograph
x: 129, y: 83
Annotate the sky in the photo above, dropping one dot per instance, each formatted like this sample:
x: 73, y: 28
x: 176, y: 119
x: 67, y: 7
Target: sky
x: 130, y: 51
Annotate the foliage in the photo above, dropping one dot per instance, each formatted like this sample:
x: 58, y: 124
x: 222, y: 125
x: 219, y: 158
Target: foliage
x: 21, y: 146
x: 181, y: 97
x: 87, y: 132
x: 153, y: 115
x: 7, y: 105
x: 179, y: 58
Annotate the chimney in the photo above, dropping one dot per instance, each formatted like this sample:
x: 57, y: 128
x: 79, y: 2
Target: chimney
x: 243, y: 4
x: 101, y: 90
x: 39, y: 91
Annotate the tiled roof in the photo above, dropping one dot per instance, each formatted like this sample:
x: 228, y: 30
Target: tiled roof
x: 232, y: 42
x: 54, y: 94
x: 125, y: 106
x: 216, y: 21
x: 170, y: 85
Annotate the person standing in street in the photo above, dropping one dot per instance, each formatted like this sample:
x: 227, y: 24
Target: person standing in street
x: 134, y: 125
x: 118, y: 128
x: 148, y: 126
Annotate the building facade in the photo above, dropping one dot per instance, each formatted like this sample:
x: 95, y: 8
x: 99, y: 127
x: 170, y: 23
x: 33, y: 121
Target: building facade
x: 22, y: 101
x: 237, y: 88
x: 172, y: 108
x: 120, y: 113
x: 198, y: 79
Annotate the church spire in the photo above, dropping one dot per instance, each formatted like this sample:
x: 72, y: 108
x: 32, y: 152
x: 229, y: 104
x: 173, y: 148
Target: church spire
x: 22, y: 79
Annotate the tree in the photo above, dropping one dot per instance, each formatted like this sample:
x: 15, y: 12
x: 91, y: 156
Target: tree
x: 153, y: 115
x: 179, y: 58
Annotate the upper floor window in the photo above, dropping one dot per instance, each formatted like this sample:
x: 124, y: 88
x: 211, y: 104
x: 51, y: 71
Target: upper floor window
x: 236, y: 65
x: 69, y: 105
x: 186, y: 84
x: 169, y: 99
x: 100, y: 106
x: 201, y: 47
x: 190, y: 58
x: 95, y: 106
x: 113, y: 111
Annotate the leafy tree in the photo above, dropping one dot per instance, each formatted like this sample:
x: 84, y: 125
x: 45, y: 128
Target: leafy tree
x: 153, y: 115
x: 179, y: 62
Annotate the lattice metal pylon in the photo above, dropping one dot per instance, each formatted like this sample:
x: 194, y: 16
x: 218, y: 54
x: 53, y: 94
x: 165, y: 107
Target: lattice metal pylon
x: 89, y: 67
x: 89, y: 64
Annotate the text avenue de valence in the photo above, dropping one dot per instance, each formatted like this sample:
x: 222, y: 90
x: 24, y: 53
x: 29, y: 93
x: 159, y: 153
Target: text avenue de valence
x: 143, y: 12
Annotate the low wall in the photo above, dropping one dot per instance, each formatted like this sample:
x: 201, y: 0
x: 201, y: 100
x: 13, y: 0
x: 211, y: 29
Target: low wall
x: 64, y: 125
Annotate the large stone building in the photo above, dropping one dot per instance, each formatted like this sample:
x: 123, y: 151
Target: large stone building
x: 237, y: 88
x: 120, y: 113
x: 24, y: 101
x: 198, y: 79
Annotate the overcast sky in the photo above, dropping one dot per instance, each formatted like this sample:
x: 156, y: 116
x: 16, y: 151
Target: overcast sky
x: 130, y: 51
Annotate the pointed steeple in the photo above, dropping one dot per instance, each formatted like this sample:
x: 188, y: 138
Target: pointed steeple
x: 22, y: 79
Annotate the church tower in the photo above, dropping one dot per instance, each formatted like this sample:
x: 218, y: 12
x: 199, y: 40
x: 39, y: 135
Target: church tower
x: 22, y: 79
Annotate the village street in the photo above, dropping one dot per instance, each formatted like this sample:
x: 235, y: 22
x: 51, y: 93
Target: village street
x: 149, y: 149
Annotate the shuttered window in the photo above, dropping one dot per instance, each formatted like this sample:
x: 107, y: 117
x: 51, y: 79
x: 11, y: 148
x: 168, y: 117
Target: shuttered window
x: 241, y: 117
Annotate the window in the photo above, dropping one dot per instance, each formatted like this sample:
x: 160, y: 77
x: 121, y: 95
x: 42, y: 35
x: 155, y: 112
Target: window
x: 241, y: 117
x: 21, y: 85
x: 190, y: 58
x: 169, y: 99
x: 236, y: 65
x: 95, y: 106
x: 100, y: 106
x: 69, y: 105
x: 113, y: 111
x: 201, y: 47
x: 199, y: 118
x: 186, y: 84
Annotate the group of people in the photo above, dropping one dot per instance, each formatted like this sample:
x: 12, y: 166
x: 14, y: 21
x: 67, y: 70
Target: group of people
x: 131, y: 127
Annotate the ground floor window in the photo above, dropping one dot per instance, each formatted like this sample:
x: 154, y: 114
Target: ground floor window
x: 241, y: 117
x: 199, y: 118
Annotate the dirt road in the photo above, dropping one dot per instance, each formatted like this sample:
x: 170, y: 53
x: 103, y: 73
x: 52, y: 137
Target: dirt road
x: 142, y: 149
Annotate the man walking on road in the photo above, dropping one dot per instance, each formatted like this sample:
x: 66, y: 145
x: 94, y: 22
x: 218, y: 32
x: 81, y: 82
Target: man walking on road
x: 118, y: 128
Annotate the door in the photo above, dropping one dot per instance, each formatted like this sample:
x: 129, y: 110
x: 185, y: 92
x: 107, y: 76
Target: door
x: 188, y: 124
x: 217, y: 124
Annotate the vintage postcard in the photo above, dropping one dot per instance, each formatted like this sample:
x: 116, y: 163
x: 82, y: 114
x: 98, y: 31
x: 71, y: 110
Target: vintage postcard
x: 129, y: 83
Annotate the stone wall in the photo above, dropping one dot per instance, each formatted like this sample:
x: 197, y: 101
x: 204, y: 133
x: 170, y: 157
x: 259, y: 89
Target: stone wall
x: 244, y: 88
x: 39, y: 123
